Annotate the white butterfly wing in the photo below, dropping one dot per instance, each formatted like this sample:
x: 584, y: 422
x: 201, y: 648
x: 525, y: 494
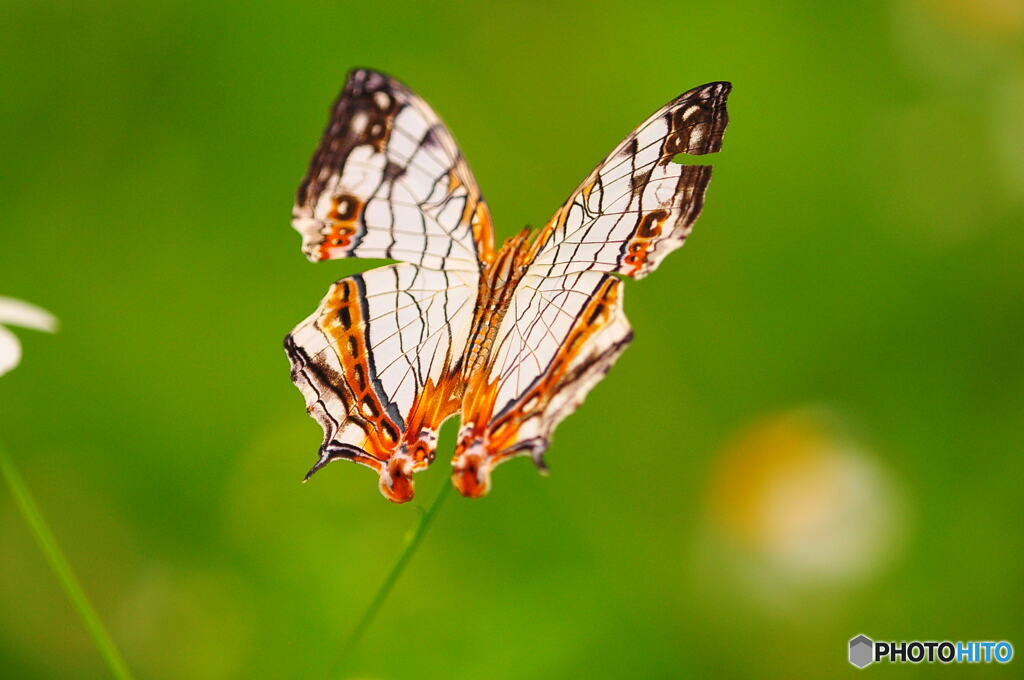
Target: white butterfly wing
x: 389, y: 181
x: 637, y: 206
x: 379, y: 364
x: 565, y: 325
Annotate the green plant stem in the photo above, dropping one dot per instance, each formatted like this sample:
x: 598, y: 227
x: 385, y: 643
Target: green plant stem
x: 48, y: 544
x: 392, y: 577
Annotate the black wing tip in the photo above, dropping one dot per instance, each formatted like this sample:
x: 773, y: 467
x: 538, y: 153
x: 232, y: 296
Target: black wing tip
x: 360, y: 72
x: 712, y: 99
x: 365, y: 78
x: 716, y: 89
x: 719, y: 88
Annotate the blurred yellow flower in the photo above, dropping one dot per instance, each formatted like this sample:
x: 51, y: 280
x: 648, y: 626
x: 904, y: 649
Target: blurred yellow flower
x: 958, y: 43
x: 983, y: 18
x: 18, y: 313
x: 803, y: 502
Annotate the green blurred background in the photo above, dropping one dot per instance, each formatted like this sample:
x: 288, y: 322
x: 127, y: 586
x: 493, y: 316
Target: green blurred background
x: 816, y: 433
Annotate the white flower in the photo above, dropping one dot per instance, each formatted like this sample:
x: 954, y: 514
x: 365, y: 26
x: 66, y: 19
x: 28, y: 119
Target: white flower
x: 800, y: 502
x: 18, y: 313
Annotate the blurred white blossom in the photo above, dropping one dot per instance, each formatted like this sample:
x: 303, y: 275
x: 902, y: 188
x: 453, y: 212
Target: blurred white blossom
x: 800, y: 505
x: 18, y: 313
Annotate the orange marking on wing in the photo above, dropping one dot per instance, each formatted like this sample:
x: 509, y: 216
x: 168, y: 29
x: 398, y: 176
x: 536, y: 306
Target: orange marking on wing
x: 496, y: 287
x: 478, y: 404
x: 588, y: 188
x: 483, y: 233
x: 596, y: 315
x: 488, y: 443
x: 454, y: 182
x: 344, y: 216
x: 432, y: 407
x: 344, y: 322
x: 472, y: 473
x: 649, y: 229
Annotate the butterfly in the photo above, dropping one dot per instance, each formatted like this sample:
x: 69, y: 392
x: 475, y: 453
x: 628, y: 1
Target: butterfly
x: 510, y: 338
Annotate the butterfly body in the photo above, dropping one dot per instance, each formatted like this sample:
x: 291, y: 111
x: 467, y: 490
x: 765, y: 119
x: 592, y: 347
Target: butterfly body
x: 511, y: 339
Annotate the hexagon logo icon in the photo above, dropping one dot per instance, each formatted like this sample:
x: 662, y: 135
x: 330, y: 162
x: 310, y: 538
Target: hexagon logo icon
x: 862, y: 651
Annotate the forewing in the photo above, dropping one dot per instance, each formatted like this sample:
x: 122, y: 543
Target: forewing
x: 389, y: 181
x: 378, y: 364
x: 638, y: 205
